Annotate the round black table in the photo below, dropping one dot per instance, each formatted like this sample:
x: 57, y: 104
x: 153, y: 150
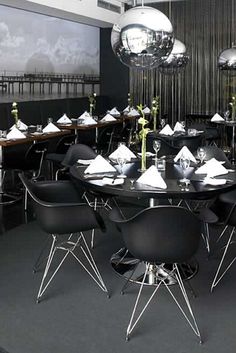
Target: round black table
x: 122, y: 261
x: 172, y: 174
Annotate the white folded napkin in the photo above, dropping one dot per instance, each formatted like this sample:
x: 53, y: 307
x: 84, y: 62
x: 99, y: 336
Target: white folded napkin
x: 110, y: 181
x: 146, y: 110
x: 84, y: 115
x: 127, y: 109
x: 99, y: 165
x: 186, y: 153
x: 15, y: 134
x: 89, y: 121
x: 167, y: 130
x: 20, y: 126
x: 51, y: 128
x: 133, y: 112
x: 179, y: 127
x: 108, y: 117
x: 114, y: 112
x: 212, y: 168
x: 85, y: 161
x: 64, y: 120
x: 152, y: 178
x: 214, y: 182
x: 217, y: 117
x: 124, y: 151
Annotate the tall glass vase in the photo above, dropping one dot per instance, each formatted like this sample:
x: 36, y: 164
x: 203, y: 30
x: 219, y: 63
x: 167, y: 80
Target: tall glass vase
x: 154, y: 121
x: 143, y: 160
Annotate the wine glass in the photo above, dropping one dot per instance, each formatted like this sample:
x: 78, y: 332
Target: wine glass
x: 201, y: 152
x: 132, y: 181
x: 184, y: 163
x: 163, y: 122
x: 121, y: 160
x: 156, y: 146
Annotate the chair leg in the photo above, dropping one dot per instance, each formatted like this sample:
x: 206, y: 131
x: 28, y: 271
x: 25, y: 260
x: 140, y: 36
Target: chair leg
x: 192, y: 324
x: 69, y: 247
x: 132, y: 325
x: 175, y: 272
x: 89, y: 257
x: 219, y: 276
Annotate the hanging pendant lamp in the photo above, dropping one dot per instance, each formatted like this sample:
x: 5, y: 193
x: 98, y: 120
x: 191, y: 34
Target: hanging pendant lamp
x: 142, y: 37
x: 177, y: 60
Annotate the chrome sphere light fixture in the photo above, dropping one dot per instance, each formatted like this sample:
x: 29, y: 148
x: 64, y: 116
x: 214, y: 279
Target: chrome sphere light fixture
x: 177, y: 60
x: 227, y: 59
x: 142, y: 37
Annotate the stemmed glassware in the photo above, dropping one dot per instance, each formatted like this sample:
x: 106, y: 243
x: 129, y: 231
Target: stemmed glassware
x: 163, y: 122
x: 184, y: 164
x: 183, y: 123
x: 121, y: 160
x: 156, y: 146
x: 201, y: 153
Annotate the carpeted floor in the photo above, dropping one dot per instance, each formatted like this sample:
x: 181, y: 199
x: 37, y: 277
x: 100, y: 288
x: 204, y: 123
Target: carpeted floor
x: 75, y: 316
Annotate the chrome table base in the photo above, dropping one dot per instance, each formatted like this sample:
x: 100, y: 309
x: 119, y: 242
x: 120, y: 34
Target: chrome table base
x: 133, y: 270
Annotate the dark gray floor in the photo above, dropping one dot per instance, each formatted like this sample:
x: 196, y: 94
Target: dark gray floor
x: 77, y: 317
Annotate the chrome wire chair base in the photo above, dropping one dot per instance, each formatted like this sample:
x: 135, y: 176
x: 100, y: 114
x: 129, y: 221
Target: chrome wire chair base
x: 69, y: 246
x: 190, y: 318
x: 220, y: 274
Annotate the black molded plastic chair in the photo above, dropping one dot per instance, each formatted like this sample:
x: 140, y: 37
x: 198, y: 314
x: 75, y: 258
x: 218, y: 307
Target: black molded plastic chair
x: 217, y: 153
x: 192, y: 142
x: 166, y: 148
x: 63, y: 215
x: 150, y: 237
x: 223, y: 213
x: 75, y: 152
x: 56, y: 157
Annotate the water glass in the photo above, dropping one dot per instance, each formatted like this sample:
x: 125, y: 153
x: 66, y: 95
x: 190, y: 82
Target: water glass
x: 184, y: 164
x: 39, y: 128
x: 121, y: 160
x: 201, y: 153
x: 156, y: 146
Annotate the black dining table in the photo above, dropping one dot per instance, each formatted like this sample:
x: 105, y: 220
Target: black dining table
x: 197, y: 189
x: 122, y: 261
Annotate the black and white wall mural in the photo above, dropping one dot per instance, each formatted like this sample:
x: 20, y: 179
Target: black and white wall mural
x: 31, y: 42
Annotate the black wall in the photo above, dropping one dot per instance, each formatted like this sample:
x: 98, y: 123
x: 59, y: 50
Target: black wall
x: 114, y: 75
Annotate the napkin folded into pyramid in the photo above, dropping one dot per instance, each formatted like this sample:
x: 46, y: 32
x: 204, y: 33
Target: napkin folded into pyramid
x: 146, y: 110
x: 20, y: 126
x: 99, y: 165
x: 167, y: 130
x: 217, y: 117
x: 212, y: 168
x: 64, y: 120
x: 51, y: 128
x: 108, y: 117
x: 127, y: 109
x: 186, y: 153
x: 214, y: 182
x: 179, y: 127
x: 114, y: 112
x: 123, y: 151
x: 152, y: 178
x: 133, y: 112
x: 15, y: 134
x: 87, y: 119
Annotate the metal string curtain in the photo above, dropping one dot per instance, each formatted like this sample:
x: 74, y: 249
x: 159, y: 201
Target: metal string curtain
x: 205, y: 26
